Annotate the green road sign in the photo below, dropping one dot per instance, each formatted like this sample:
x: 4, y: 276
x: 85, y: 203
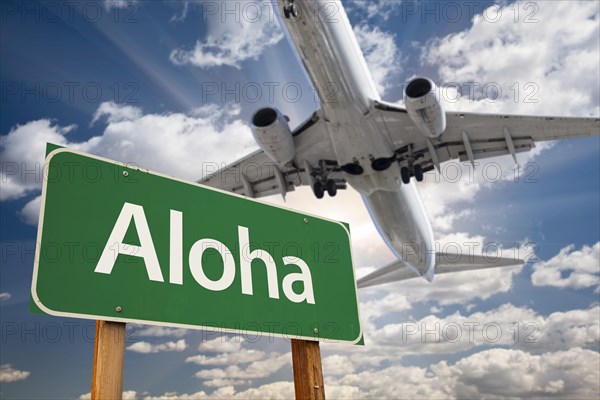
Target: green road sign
x: 123, y: 244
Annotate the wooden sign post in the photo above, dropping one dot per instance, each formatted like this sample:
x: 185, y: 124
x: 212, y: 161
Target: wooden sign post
x: 109, y: 351
x: 308, y: 372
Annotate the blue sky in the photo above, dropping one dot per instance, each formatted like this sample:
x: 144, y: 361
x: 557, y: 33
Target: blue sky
x: 166, y: 84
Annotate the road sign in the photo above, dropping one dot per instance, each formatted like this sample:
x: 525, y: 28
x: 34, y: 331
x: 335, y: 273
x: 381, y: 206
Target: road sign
x: 119, y: 243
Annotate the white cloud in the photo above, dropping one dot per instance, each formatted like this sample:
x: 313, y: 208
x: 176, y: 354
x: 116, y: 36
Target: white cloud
x: 118, y: 4
x: 172, y: 143
x: 270, y: 391
x: 494, y: 374
x: 381, y: 54
x: 505, y: 326
x: 184, y: 13
x: 242, y: 356
x: 30, y: 214
x: 129, y: 395
x: 368, y: 9
x: 337, y: 365
x: 116, y: 112
x: 4, y: 296
x: 9, y: 374
x: 234, y: 39
x: 159, y: 331
x: 146, y: 348
x: 255, y: 370
x: 571, y: 268
x: 500, y: 373
x: 391, y: 302
x: 224, y: 382
x: 22, y: 154
x: 559, y: 52
x: 389, y: 341
x: 564, y: 330
x: 222, y: 344
x: 168, y: 143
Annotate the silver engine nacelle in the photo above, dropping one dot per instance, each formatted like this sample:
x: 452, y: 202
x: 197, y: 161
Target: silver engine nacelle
x: 424, y: 108
x: 273, y: 134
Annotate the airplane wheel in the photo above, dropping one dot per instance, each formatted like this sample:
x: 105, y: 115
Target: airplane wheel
x: 418, y: 173
x: 293, y: 10
x: 286, y: 12
x: 405, y: 174
x: 331, y: 188
x: 318, y: 190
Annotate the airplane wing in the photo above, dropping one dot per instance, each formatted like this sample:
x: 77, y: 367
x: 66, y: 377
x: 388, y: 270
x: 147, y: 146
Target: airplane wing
x: 472, y: 136
x: 445, y: 263
x: 256, y: 175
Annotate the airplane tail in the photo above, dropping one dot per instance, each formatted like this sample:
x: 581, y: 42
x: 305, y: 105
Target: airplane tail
x: 445, y: 263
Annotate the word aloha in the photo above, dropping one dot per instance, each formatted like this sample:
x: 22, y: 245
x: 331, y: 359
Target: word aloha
x: 147, y: 252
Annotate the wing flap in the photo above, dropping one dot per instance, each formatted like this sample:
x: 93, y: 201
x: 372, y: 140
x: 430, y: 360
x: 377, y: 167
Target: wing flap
x: 487, y: 148
x: 491, y: 126
x: 472, y: 136
x: 255, y: 176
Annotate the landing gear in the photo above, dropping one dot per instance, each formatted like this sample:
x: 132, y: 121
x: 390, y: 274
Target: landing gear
x: 290, y: 10
x: 331, y: 188
x: 318, y: 190
x: 412, y: 163
x: 325, y: 178
x: 405, y: 175
x: 418, y: 170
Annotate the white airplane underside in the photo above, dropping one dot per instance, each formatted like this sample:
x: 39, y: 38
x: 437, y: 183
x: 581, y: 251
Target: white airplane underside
x: 378, y: 148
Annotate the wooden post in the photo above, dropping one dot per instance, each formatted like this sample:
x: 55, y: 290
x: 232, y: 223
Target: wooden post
x: 308, y: 373
x: 109, y: 349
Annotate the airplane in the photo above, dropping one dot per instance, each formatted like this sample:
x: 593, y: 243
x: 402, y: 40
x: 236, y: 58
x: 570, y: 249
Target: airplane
x: 378, y: 148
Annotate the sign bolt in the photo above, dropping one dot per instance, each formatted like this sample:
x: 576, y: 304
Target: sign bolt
x: 316, y: 330
x: 118, y: 309
x: 125, y: 173
x: 306, y: 220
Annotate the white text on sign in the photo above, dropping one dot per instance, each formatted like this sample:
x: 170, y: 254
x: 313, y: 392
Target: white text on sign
x: 147, y: 252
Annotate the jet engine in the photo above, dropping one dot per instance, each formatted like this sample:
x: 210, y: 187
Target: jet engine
x: 273, y: 134
x: 424, y: 107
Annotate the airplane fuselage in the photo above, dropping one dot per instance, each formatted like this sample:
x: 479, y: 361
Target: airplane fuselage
x: 325, y: 41
x: 330, y: 52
